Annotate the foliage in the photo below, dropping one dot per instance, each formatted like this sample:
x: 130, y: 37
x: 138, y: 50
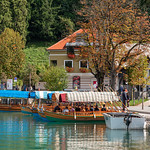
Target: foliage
x: 114, y: 32
x: 29, y: 75
x: 138, y: 72
x: 19, y: 16
x: 68, y: 69
x: 41, y: 24
x: 5, y: 15
x: 36, y: 59
x: 11, y: 52
x: 67, y: 17
x: 55, y: 78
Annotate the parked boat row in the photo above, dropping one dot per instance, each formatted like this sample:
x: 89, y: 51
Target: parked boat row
x: 74, y: 107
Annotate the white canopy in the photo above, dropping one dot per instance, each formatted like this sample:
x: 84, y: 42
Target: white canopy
x: 92, y: 96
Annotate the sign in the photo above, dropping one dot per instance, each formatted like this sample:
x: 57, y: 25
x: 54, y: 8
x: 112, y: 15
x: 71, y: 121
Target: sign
x: 15, y: 79
x: 106, y: 80
x: 95, y: 84
x: 9, y: 84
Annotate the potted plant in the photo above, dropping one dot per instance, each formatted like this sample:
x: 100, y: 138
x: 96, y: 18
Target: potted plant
x: 84, y: 70
x: 68, y: 69
x: 71, y: 55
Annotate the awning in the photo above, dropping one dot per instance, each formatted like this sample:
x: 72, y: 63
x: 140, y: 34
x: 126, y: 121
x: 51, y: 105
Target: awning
x: 92, y: 96
x: 63, y: 97
x: 14, y: 94
x: 45, y: 94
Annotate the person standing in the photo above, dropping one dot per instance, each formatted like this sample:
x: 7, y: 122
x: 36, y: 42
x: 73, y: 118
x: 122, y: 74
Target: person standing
x: 124, y: 99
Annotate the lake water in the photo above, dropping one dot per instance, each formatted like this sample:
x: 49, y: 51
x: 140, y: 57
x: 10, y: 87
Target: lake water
x: 24, y: 132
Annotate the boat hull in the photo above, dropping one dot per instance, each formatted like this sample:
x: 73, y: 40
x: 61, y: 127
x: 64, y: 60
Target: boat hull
x: 26, y: 110
x: 53, y: 116
x: 10, y: 108
x: 119, y: 122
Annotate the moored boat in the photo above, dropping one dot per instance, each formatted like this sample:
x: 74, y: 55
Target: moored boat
x: 12, y: 100
x: 96, y: 98
x: 76, y: 116
x: 115, y: 120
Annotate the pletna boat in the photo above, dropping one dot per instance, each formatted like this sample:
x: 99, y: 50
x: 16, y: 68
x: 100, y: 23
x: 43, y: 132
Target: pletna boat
x: 118, y: 120
x: 11, y: 100
x: 96, y: 98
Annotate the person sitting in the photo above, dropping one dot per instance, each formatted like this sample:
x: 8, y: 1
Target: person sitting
x: 104, y: 108
x: 86, y: 108
x: 57, y: 108
x: 91, y: 108
x: 96, y: 108
x: 66, y: 110
x: 77, y: 108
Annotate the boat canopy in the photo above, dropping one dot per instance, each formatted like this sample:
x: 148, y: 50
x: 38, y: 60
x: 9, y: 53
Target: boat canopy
x: 14, y: 94
x: 92, y: 96
x: 45, y: 94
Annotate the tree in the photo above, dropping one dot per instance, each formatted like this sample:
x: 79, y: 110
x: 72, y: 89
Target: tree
x: 137, y: 74
x: 114, y: 32
x: 55, y: 78
x: 5, y: 15
x: 67, y: 17
x: 11, y: 53
x: 41, y: 24
x: 29, y: 75
x: 19, y: 14
x: 138, y: 71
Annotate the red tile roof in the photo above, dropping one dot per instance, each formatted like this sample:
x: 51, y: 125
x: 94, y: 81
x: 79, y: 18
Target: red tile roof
x: 61, y: 44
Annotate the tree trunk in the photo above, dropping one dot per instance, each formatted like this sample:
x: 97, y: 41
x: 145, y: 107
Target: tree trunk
x: 100, y: 79
x: 113, y: 80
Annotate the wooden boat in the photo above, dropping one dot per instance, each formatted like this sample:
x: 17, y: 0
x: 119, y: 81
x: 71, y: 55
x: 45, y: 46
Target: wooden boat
x: 115, y: 120
x: 11, y: 100
x: 8, y: 107
x: 84, y: 97
x: 26, y: 109
x: 76, y: 116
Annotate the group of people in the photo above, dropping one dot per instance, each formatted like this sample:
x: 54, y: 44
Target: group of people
x: 78, y: 108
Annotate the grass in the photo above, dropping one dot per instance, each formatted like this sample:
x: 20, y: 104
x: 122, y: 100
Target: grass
x: 137, y: 102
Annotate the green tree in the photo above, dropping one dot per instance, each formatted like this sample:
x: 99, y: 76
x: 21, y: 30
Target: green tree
x: 19, y: 10
x: 55, y: 78
x: 137, y: 74
x: 67, y: 17
x: 5, y: 15
x: 11, y: 52
x: 138, y: 71
x: 29, y: 75
x: 42, y: 19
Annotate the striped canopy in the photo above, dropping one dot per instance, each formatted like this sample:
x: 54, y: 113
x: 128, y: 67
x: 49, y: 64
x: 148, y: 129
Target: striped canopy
x: 92, y: 96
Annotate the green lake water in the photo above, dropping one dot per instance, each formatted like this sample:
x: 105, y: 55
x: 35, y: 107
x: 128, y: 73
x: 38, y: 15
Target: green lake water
x: 19, y: 131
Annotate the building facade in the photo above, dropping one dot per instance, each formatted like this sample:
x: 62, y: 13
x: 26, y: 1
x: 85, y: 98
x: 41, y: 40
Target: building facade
x: 65, y: 53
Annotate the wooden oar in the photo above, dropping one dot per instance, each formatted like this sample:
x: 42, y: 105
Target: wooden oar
x: 112, y: 101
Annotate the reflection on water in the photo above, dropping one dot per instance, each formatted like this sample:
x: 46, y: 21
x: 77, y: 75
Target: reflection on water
x: 19, y: 131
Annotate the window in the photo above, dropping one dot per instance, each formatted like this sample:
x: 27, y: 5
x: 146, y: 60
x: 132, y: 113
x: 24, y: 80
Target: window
x: 68, y: 63
x: 54, y: 62
x: 70, y: 50
x: 83, y: 64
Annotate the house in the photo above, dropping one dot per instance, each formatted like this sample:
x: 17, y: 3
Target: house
x: 65, y: 53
